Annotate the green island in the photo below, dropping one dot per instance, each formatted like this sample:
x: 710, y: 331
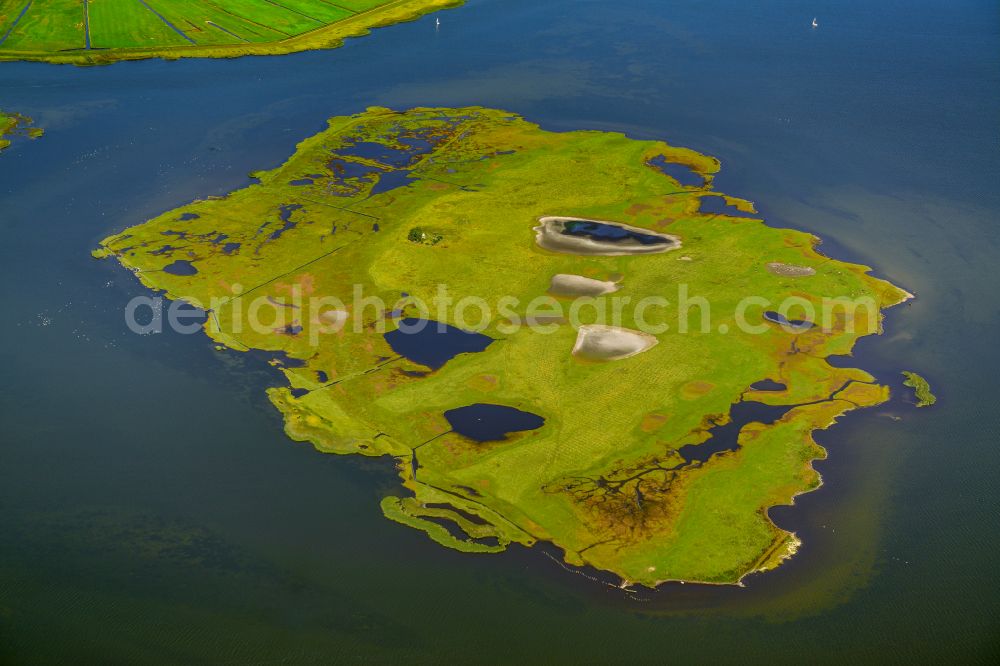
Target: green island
x: 95, y: 32
x: 15, y: 124
x: 921, y: 388
x: 617, y: 471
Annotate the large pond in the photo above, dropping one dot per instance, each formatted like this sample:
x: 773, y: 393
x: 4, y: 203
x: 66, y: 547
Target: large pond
x: 491, y: 423
x: 433, y: 343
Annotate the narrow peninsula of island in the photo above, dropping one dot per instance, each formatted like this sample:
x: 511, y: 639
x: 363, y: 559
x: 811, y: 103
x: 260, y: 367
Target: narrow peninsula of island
x: 96, y: 32
x: 638, y: 446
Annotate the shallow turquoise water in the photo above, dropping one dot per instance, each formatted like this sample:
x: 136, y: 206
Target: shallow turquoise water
x: 152, y: 511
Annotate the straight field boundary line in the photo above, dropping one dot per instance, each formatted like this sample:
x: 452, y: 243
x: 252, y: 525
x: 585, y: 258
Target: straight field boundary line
x: 167, y: 23
x: 24, y: 10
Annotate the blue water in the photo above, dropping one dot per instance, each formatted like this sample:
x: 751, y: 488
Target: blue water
x: 611, y: 233
x: 152, y: 509
x: 433, y: 343
x: 768, y: 385
x: 180, y: 267
x: 345, y: 169
x: 723, y: 438
x: 786, y: 323
x: 390, y: 180
x: 682, y: 173
x: 714, y: 205
x: 491, y: 423
x: 392, y: 157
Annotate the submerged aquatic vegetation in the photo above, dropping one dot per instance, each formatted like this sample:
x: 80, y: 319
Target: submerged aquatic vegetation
x: 105, y: 31
x: 600, y: 470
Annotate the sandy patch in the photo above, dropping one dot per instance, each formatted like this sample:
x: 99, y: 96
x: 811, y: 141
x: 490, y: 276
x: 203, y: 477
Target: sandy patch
x: 335, y: 317
x: 564, y: 284
x: 597, y: 342
x: 790, y: 270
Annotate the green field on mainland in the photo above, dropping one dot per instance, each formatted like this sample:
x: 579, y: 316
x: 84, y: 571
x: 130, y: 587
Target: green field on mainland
x: 15, y: 124
x: 603, y: 479
x: 104, y: 31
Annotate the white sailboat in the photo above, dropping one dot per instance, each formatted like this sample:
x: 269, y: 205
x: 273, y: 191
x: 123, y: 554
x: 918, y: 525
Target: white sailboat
x: 815, y: 23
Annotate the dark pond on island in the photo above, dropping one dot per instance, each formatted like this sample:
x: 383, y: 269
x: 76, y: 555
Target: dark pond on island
x: 611, y: 233
x: 153, y: 511
x: 180, y: 267
x: 768, y: 385
x: 491, y: 423
x: 433, y: 343
x: 797, y: 325
x: 724, y: 437
x: 390, y: 180
x: 344, y: 169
